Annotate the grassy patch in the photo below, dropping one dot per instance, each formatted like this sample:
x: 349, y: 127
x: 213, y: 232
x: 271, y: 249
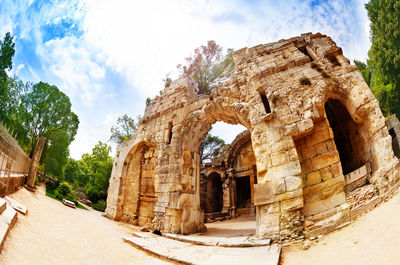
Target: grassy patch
x: 50, y: 193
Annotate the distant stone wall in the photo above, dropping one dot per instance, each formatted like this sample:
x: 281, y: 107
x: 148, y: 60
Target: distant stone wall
x: 14, y: 163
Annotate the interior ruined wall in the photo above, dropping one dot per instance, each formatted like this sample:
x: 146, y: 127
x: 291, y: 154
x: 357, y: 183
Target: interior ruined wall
x: 245, y: 159
x: 273, y: 73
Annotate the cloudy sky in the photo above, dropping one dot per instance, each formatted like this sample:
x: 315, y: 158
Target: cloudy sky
x: 109, y: 56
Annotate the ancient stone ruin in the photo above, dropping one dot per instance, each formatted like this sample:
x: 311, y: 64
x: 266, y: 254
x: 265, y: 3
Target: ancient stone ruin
x: 317, y: 153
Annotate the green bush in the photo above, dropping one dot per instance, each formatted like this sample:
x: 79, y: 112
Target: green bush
x: 53, y: 184
x: 58, y: 195
x: 94, y: 194
x: 64, y: 189
x: 100, y: 205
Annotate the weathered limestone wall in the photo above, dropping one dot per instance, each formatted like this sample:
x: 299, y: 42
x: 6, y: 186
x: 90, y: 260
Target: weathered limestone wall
x: 289, y: 95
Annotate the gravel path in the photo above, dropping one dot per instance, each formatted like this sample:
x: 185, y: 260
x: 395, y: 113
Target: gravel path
x: 52, y: 233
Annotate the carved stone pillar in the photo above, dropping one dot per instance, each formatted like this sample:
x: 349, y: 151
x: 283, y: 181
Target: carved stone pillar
x: 232, y: 202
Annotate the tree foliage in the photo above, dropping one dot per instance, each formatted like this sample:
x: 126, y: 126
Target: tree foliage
x: 57, y: 154
x: 210, y: 147
x: 209, y: 66
x: 382, y: 71
x: 10, y: 88
x: 45, y: 111
x: 7, y: 51
x: 124, y: 130
x: 92, y: 172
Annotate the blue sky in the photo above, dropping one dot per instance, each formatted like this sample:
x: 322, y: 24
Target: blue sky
x: 109, y: 56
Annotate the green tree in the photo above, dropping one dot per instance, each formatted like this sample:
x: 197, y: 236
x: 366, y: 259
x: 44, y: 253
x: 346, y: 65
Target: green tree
x: 73, y: 173
x: 7, y: 51
x: 385, y: 50
x: 44, y: 111
x: 98, y: 166
x: 209, y: 66
x: 210, y: 147
x: 124, y: 130
x: 10, y: 88
x: 57, y: 154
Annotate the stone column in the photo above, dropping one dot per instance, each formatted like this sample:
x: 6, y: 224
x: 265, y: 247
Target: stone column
x: 37, y: 153
x: 232, y: 190
x: 226, y: 189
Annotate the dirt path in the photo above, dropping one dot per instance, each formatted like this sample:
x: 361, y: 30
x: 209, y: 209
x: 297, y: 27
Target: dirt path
x: 55, y: 234
x: 372, y: 239
x: 52, y: 233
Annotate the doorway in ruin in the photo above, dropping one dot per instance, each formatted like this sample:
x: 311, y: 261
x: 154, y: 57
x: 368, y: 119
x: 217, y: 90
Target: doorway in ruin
x: 348, y: 136
x: 212, y: 201
x: 227, y: 180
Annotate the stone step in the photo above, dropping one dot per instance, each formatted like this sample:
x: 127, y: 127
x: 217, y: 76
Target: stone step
x: 7, y: 220
x: 16, y: 205
x: 4, y: 228
x: 243, y: 241
x: 3, y: 204
x: 9, y: 216
x: 187, y: 253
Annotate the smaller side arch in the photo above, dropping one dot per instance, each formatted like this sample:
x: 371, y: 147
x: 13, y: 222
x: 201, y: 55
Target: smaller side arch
x: 137, y: 190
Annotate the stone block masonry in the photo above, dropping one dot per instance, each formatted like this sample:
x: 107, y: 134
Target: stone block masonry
x: 311, y: 119
x: 14, y: 163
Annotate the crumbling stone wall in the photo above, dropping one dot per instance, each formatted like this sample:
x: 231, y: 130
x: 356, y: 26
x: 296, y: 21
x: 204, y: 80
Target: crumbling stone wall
x: 283, y: 93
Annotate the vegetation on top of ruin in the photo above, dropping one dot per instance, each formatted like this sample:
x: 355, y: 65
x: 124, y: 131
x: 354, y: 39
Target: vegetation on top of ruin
x: 124, y: 130
x: 209, y: 66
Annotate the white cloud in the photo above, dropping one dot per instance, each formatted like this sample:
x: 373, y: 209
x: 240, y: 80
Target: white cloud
x: 73, y: 64
x: 142, y: 41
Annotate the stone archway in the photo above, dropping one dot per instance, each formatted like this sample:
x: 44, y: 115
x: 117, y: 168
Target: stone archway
x: 278, y: 93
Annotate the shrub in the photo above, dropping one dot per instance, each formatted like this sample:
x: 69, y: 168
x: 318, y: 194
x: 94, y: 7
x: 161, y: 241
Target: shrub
x: 94, y: 194
x: 100, y: 205
x: 58, y: 195
x: 53, y: 183
x: 64, y: 189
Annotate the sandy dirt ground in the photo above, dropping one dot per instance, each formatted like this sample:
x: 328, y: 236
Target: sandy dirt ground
x: 52, y: 233
x: 373, y: 239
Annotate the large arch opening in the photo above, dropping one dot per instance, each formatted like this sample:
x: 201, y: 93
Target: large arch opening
x: 348, y: 137
x: 233, y: 169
